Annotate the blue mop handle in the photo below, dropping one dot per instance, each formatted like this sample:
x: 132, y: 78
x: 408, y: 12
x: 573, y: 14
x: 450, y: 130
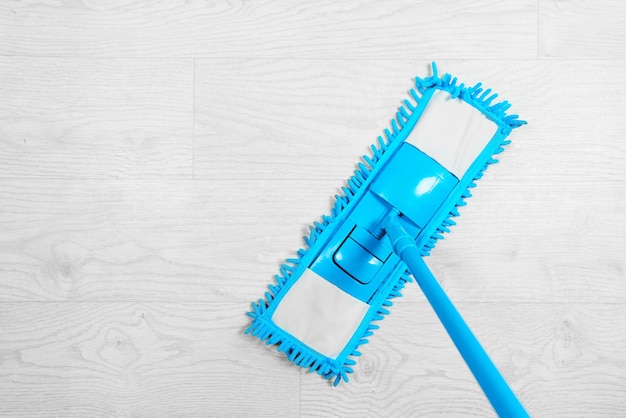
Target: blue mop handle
x: 489, y: 378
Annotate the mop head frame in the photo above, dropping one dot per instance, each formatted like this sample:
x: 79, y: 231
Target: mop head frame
x: 326, y: 301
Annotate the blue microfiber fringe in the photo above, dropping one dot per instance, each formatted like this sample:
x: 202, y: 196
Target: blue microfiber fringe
x: 299, y: 353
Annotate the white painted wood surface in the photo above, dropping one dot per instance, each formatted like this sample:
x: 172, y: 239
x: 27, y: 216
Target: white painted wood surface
x: 159, y: 160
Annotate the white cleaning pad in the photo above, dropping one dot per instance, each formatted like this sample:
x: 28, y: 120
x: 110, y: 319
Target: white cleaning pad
x: 320, y: 314
x: 452, y: 133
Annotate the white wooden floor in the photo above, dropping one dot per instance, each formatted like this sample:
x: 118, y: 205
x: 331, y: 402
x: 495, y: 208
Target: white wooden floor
x: 159, y: 160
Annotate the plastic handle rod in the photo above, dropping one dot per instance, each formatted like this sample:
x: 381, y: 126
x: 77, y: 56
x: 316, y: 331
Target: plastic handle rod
x: 489, y: 378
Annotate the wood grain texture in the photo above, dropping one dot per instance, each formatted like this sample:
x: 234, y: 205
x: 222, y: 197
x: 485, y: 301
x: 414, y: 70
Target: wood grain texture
x: 94, y: 118
x: 283, y: 119
x: 551, y: 354
x: 283, y: 28
x: 175, y: 240
x: 309, y: 115
x: 222, y: 241
x: 580, y: 29
x: 158, y: 162
x: 138, y: 359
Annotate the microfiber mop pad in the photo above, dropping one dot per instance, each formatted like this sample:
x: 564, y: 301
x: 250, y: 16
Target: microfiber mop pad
x: 327, y: 301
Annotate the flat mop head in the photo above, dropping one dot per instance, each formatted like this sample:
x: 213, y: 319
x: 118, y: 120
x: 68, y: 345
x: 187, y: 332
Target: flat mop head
x: 325, y: 301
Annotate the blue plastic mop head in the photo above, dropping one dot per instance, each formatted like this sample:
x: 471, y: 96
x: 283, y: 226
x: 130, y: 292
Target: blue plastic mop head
x: 324, y: 303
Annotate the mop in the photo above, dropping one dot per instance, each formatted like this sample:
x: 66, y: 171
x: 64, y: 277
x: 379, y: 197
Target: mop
x: 401, y: 200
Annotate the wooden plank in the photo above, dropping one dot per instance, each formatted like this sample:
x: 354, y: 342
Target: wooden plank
x: 138, y: 359
x: 516, y: 245
x: 405, y: 28
x: 223, y: 241
x: 95, y: 118
x: 560, y: 359
x: 295, y: 118
x: 292, y: 119
x: 580, y: 29
x: 148, y: 239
